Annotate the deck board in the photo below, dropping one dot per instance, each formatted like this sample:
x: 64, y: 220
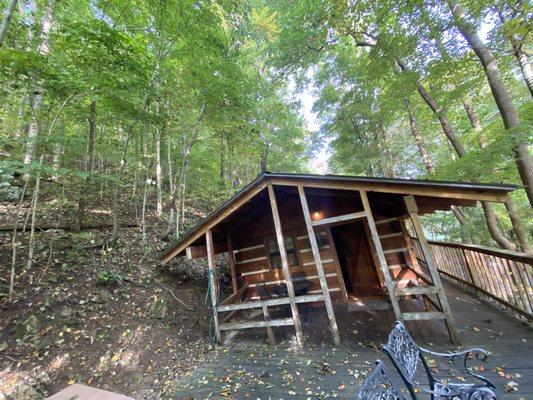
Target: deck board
x: 249, y: 368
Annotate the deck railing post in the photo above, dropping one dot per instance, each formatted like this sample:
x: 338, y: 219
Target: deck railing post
x: 285, y: 264
x: 319, y: 267
x: 213, y: 280
x: 412, y: 210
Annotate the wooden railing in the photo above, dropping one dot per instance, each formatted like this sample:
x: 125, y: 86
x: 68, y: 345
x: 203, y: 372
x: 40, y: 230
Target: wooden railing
x: 506, y: 277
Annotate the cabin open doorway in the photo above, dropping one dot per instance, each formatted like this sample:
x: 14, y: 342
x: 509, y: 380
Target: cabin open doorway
x: 355, y: 259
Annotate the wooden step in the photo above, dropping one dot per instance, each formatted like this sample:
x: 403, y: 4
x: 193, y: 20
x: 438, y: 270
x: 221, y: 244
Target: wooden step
x: 422, y: 315
x: 398, y: 250
x: 308, y: 298
x: 228, y: 326
x: 384, y: 221
x: 391, y: 235
x: 413, y: 291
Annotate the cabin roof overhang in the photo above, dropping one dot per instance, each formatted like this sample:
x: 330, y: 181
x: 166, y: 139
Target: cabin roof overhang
x: 456, y: 191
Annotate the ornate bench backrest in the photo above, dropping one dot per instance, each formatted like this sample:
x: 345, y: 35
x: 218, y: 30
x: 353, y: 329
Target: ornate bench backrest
x: 378, y: 385
x: 403, y: 351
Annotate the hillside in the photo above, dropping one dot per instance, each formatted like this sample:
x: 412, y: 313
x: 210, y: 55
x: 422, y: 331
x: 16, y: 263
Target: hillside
x: 100, y: 314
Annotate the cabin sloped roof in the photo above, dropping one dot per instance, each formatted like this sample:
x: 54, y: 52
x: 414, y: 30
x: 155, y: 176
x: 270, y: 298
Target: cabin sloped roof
x: 459, y: 190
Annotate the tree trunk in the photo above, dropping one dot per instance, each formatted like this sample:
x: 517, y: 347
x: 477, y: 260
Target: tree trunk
x: 493, y: 227
x: 518, y: 228
x: 474, y: 121
x: 34, y: 205
x: 413, y: 124
x: 89, y: 166
x: 222, y: 164
x: 7, y: 19
x: 463, y: 225
x: 158, y: 171
x: 523, y: 158
x: 439, y: 112
x: 525, y: 65
x: 37, y: 98
x: 518, y: 51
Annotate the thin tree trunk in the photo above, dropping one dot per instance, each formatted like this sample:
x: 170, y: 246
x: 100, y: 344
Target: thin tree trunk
x: 34, y: 205
x: 222, y: 164
x: 521, y: 56
x: 37, y: 98
x: 7, y: 19
x: 89, y: 166
x: 439, y: 112
x: 413, y: 124
x: 502, y: 97
x: 518, y: 228
x: 474, y: 121
x: 525, y: 65
x: 463, y: 225
x: 158, y: 170
x: 14, y: 243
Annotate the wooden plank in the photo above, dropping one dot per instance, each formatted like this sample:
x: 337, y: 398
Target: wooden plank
x: 379, y: 254
x: 228, y: 326
x: 285, y: 264
x: 194, y: 252
x: 412, y: 209
x: 391, y: 235
x: 270, y: 331
x: 213, y: 281
x: 82, y: 392
x: 340, y: 218
x: 455, y: 193
x: 251, y: 260
x: 233, y: 267
x: 259, y: 246
x: 385, y: 221
x: 319, y: 266
x: 423, y: 316
x: 413, y: 291
x: 398, y: 250
x: 342, y: 284
x: 308, y: 298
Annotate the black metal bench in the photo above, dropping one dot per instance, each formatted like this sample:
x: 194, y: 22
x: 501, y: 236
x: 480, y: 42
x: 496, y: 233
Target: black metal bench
x: 379, y: 385
x: 406, y: 356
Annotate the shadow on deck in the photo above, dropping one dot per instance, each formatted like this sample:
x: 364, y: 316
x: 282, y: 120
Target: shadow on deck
x: 248, y: 368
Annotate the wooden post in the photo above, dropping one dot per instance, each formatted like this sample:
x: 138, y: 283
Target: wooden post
x: 232, y: 264
x: 285, y: 264
x: 381, y: 256
x: 412, y: 209
x: 213, y: 280
x: 319, y: 267
x: 270, y: 331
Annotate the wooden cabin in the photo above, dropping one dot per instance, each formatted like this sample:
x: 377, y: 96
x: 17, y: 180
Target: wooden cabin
x: 321, y: 240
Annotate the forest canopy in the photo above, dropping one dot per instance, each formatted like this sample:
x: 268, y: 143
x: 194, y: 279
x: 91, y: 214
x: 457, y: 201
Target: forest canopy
x: 178, y: 104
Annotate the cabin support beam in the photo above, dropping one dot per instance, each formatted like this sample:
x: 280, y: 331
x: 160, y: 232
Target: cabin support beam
x: 319, y: 267
x: 412, y: 210
x: 376, y: 244
x: 231, y: 261
x: 285, y: 264
x: 213, y: 280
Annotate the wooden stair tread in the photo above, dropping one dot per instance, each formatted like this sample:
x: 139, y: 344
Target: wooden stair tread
x: 256, y: 324
x: 423, y: 315
x: 411, y: 291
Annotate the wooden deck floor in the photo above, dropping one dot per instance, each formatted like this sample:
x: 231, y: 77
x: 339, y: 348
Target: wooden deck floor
x: 250, y: 369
